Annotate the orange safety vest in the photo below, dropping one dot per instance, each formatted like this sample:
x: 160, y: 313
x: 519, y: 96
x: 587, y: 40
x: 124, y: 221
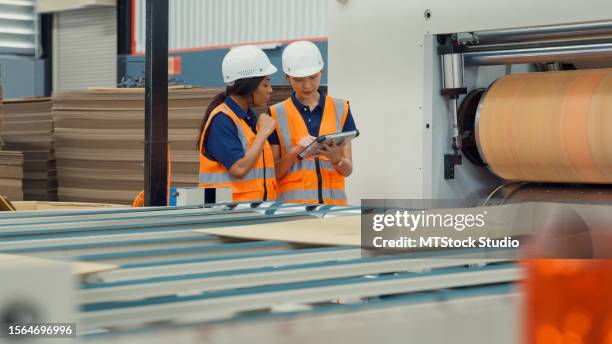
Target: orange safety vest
x: 257, y: 182
x: 312, y: 180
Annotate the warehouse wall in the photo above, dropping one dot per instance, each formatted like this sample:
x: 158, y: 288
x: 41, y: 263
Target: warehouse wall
x: 202, y: 31
x: 22, y: 72
x: 86, y: 48
x: 18, y: 28
x: 22, y: 76
x: 203, y: 68
x: 196, y: 24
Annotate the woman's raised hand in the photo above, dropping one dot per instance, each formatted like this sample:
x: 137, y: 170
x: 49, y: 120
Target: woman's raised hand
x: 266, y: 124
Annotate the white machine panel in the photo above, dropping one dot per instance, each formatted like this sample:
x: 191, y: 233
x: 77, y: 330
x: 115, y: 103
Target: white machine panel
x: 382, y: 58
x: 197, y: 196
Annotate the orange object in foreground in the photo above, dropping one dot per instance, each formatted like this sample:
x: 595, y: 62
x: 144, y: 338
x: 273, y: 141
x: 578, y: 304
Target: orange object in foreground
x: 139, y: 201
x: 568, y: 302
x: 549, y: 127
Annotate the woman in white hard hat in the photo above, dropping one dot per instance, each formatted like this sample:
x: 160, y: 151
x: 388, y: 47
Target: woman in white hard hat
x: 309, y: 113
x: 233, y: 141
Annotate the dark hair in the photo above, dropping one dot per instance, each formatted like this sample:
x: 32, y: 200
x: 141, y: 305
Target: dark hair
x: 241, y: 87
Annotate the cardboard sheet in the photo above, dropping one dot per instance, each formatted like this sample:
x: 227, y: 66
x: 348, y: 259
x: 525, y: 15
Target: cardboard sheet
x: 11, y: 175
x: 344, y: 231
x: 78, y: 268
x: 87, y: 268
x: 550, y: 222
x: 6, y: 205
x: 28, y: 127
x: 61, y: 206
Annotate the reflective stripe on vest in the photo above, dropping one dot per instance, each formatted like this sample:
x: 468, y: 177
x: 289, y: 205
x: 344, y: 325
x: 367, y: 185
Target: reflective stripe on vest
x: 243, y: 139
x: 223, y: 177
x: 339, y: 107
x: 313, y: 195
x: 283, y: 122
x: 310, y: 165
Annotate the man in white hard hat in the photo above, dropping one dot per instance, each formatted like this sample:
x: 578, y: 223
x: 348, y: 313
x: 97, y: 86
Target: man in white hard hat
x: 233, y: 140
x: 309, y: 113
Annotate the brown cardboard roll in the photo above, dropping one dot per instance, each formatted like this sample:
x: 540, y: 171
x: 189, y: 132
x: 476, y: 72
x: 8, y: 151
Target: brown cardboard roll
x: 549, y: 127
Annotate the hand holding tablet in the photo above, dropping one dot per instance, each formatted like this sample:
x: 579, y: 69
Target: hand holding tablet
x: 338, y: 138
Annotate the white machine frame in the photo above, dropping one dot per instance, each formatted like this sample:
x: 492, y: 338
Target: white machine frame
x: 383, y: 58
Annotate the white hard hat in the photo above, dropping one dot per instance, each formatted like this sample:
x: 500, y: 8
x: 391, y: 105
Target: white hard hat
x: 245, y: 61
x: 301, y: 59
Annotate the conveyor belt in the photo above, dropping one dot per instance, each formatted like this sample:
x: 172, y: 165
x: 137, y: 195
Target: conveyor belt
x: 228, y: 262
x: 136, y: 213
x: 243, y: 278
x: 223, y: 304
x: 486, y: 314
x: 166, y: 272
x: 172, y: 220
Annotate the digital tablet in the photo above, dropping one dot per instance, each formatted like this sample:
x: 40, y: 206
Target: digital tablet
x: 339, y: 138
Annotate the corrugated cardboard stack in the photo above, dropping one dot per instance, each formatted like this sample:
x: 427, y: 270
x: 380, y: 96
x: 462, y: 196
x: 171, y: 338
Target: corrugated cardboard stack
x: 99, y: 139
x: 11, y: 166
x: 28, y: 127
x: 99, y: 135
x: 11, y: 175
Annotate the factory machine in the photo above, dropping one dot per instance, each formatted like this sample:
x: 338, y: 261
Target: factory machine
x: 495, y: 102
x: 498, y: 102
x: 501, y: 102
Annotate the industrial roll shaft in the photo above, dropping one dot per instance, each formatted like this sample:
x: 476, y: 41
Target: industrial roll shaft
x: 548, y: 127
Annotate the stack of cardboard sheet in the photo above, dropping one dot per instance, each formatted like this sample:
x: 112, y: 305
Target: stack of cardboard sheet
x: 99, y: 140
x: 99, y: 135
x: 28, y: 127
x: 11, y: 175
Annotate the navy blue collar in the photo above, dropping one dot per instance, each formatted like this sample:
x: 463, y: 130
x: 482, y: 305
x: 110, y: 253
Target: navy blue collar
x: 301, y: 106
x: 237, y: 109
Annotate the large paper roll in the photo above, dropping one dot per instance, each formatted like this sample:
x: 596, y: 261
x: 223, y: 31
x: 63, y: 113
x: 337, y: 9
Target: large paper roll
x: 549, y: 127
